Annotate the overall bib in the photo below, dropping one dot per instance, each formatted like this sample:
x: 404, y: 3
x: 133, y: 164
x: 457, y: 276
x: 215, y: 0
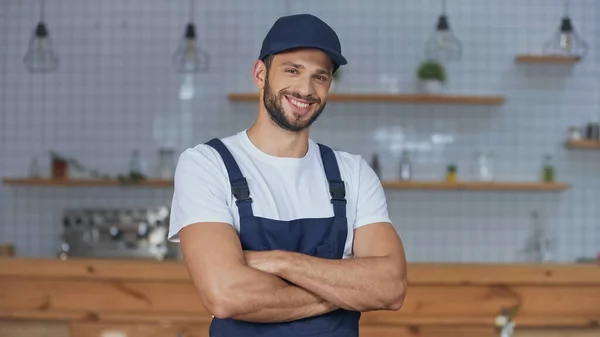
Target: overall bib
x: 320, y: 237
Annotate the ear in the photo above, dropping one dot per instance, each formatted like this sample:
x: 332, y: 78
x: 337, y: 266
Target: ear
x: 259, y: 74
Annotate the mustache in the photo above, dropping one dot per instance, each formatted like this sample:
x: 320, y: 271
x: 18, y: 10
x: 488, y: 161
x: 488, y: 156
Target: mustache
x: 309, y: 98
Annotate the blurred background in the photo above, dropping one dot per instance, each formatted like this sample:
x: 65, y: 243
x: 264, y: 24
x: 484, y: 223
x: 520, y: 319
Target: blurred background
x: 104, y: 88
x: 480, y: 116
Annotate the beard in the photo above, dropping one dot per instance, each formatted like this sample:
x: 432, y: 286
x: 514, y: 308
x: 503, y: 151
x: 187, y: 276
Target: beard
x: 273, y: 104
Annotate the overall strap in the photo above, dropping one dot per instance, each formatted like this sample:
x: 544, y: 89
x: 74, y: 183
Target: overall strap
x: 337, y: 188
x: 239, y: 185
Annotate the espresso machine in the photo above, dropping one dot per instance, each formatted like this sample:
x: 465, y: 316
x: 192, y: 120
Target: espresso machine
x: 139, y: 233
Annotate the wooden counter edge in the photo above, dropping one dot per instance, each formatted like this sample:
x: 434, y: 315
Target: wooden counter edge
x: 418, y: 273
x: 170, y: 319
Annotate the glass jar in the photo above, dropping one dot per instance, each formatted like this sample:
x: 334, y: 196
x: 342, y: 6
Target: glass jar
x: 484, y: 166
x: 405, y: 167
x: 166, y: 164
x: 548, y: 169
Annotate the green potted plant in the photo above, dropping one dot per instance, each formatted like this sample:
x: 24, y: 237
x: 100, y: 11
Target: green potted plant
x: 432, y: 76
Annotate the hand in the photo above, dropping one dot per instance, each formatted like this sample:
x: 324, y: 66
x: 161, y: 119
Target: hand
x: 266, y: 261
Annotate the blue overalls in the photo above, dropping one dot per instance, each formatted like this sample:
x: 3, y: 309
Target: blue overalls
x: 324, y: 238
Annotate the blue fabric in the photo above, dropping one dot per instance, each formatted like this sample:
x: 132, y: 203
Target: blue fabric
x: 321, y: 237
x: 303, y: 31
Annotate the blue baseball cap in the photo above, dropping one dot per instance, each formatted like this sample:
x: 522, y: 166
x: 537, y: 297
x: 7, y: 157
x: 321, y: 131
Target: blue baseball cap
x: 303, y: 31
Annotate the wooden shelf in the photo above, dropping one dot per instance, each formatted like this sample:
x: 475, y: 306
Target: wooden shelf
x: 392, y: 98
x: 407, y: 185
x: 475, y: 186
x: 583, y: 144
x: 40, y: 182
x: 548, y: 59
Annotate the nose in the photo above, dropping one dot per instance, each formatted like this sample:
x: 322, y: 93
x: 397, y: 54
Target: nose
x: 305, y: 86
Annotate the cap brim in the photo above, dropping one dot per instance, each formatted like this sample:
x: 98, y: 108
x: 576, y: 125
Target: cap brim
x: 337, y: 58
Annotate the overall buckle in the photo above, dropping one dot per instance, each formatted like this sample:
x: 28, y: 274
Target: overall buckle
x: 337, y: 189
x: 240, y: 190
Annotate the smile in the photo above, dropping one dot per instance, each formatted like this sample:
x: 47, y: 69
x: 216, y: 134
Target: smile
x: 298, y: 103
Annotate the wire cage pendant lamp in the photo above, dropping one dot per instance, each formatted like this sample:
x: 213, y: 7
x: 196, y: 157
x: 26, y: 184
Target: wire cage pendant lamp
x: 443, y: 44
x: 189, y: 58
x: 41, y: 56
x: 566, y: 41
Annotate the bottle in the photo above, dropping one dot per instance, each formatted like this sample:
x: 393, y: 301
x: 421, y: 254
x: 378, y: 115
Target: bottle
x: 165, y: 169
x: 451, y: 173
x: 405, y: 167
x: 548, y: 169
x: 34, y: 168
x: 540, y: 246
x: 484, y: 169
x: 375, y: 165
x: 136, y: 164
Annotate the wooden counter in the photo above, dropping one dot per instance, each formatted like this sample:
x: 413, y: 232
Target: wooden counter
x: 151, y: 298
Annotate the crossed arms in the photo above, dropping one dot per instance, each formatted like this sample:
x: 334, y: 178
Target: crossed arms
x: 250, y: 286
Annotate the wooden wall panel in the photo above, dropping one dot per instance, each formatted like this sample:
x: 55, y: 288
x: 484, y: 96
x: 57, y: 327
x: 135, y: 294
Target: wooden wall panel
x: 557, y: 333
x: 155, y: 330
x: 418, y: 273
x: 33, y: 329
x: 485, y: 301
x: 150, y: 298
x: 97, y: 296
x: 387, y: 331
x: 369, y: 331
x: 82, y: 329
x: 139, y: 270
x: 439, y: 302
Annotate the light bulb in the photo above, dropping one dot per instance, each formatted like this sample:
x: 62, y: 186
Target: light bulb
x: 188, y: 58
x: 566, y: 42
x: 40, y: 56
x: 443, y: 44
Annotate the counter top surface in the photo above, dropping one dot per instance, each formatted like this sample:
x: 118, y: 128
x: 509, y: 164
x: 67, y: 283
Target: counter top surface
x: 453, y: 295
x: 418, y: 273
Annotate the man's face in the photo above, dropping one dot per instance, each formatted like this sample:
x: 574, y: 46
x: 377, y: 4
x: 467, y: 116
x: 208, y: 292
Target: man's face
x: 296, y: 87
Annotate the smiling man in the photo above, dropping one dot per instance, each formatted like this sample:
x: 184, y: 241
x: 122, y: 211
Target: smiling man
x: 283, y: 236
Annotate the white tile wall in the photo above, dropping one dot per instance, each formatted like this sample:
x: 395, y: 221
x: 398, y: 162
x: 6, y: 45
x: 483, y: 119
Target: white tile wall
x: 116, y: 91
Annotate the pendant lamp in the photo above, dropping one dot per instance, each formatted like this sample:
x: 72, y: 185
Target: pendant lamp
x: 565, y: 41
x: 188, y: 58
x: 443, y: 44
x: 40, y: 56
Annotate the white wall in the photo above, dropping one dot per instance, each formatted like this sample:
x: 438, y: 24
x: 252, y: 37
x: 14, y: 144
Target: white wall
x: 115, y: 89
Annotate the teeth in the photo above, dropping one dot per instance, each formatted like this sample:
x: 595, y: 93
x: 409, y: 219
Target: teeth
x: 299, y: 104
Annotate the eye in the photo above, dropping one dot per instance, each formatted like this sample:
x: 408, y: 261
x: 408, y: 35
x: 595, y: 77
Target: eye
x: 321, y: 77
x: 292, y: 71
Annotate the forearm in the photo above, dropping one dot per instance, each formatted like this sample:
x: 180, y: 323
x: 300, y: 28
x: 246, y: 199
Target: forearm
x: 361, y: 284
x: 257, y: 296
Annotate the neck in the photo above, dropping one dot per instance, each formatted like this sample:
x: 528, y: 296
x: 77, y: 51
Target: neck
x: 274, y: 141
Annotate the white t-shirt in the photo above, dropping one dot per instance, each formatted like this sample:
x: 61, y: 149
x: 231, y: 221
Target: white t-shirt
x: 280, y: 188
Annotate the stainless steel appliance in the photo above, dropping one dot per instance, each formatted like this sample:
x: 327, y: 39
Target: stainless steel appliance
x: 117, y: 233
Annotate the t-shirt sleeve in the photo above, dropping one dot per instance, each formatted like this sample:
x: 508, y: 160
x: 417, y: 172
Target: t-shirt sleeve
x: 200, y: 193
x: 371, y: 206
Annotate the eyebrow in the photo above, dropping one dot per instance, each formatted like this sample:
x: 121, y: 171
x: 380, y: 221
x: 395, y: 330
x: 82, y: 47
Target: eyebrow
x: 299, y: 66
